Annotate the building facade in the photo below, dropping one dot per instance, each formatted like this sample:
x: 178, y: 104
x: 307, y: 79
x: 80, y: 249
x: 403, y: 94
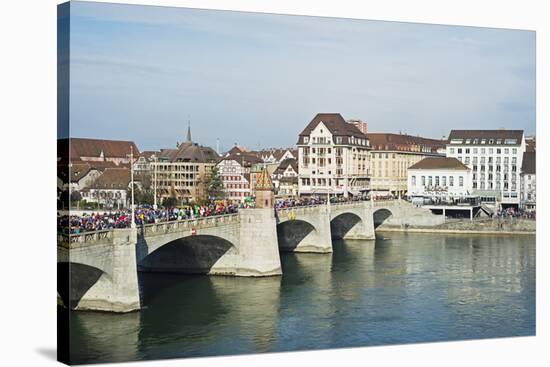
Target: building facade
x: 333, y: 158
x: 110, y: 189
x: 528, y: 181
x: 495, y: 158
x: 392, y: 155
x: 285, y: 178
x: 181, y: 173
x: 235, y: 171
x: 439, y: 178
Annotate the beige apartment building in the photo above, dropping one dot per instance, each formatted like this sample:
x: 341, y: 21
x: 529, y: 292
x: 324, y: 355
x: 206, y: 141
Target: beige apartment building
x: 393, y: 154
x: 181, y: 172
x: 333, y: 158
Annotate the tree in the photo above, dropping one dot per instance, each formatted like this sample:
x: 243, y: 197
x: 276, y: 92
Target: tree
x: 170, y: 202
x: 213, y: 185
x: 143, y: 189
x: 75, y: 198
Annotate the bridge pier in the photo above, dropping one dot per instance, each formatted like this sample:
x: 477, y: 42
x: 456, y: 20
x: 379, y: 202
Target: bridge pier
x: 363, y: 230
x: 101, y: 277
x: 258, y: 253
x: 317, y: 240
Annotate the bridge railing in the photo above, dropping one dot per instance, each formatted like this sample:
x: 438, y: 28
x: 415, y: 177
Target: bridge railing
x: 304, y: 208
x: 84, y: 237
x: 188, y: 224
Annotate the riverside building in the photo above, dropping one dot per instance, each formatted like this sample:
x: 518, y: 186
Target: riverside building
x: 393, y: 154
x: 235, y: 171
x: 333, y: 158
x: 439, y: 178
x: 528, y: 181
x: 495, y: 158
x: 181, y: 172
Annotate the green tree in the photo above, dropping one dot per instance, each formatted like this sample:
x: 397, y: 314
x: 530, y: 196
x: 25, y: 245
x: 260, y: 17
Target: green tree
x: 170, y: 202
x: 213, y: 185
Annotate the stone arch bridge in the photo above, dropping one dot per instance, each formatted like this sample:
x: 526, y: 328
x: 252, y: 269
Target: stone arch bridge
x: 98, y: 270
x: 312, y: 228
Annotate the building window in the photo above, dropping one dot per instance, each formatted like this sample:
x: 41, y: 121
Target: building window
x: 413, y: 180
x: 430, y: 182
x: 461, y: 181
x: 451, y: 181
x: 451, y: 150
x: 444, y: 180
x: 459, y: 150
x: 306, y: 139
x: 423, y: 180
x: 436, y: 180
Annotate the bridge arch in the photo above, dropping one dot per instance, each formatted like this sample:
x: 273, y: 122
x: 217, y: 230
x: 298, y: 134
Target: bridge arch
x: 74, y: 280
x: 380, y: 216
x: 291, y: 232
x: 191, y: 254
x: 343, y: 223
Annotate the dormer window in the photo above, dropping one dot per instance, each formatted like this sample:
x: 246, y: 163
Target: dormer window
x: 306, y: 139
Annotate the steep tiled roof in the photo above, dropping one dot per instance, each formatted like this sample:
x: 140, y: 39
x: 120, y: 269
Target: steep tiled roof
x: 189, y: 152
x: 529, y: 163
x: 149, y: 153
x: 491, y: 137
x: 405, y: 143
x: 263, y: 181
x: 277, y: 153
x: 82, y: 147
x: 235, y: 149
x: 288, y: 162
x: 246, y: 159
x: 113, y: 178
x: 79, y: 170
x: 439, y: 163
x: 336, y: 125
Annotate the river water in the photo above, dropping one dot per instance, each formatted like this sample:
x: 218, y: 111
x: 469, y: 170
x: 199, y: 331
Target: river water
x: 401, y: 288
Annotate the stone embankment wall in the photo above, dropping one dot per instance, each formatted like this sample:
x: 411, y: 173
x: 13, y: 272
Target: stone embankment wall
x: 486, y: 225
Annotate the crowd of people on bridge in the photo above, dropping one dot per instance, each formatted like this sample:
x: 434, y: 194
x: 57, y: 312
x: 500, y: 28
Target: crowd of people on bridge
x: 308, y: 201
x: 97, y: 221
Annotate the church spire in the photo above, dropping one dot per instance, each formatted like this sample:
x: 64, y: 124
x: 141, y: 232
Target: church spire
x: 189, y: 131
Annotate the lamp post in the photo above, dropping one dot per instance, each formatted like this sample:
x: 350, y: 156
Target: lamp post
x: 155, y: 184
x: 133, y: 223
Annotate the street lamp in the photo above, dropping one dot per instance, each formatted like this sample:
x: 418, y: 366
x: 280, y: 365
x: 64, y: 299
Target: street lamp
x: 133, y: 223
x: 155, y: 184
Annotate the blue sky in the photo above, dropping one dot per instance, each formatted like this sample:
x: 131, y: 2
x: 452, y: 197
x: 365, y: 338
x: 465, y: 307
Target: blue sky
x: 140, y: 72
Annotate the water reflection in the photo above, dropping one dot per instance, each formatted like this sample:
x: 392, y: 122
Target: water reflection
x: 398, y: 289
x: 103, y: 337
